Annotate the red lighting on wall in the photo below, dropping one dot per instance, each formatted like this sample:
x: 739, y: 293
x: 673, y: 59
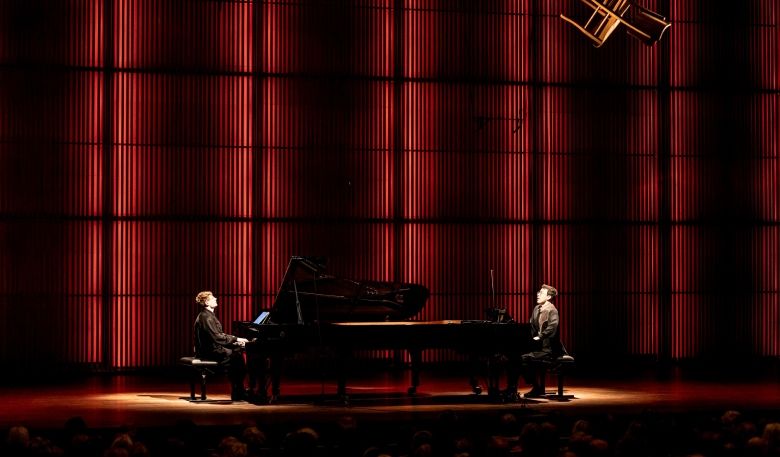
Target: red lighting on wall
x: 161, y: 148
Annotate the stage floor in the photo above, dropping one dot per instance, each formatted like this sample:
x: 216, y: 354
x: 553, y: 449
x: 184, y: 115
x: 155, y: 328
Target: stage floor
x: 121, y: 400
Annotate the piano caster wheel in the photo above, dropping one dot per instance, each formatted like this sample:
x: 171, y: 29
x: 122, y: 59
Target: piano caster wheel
x: 476, y: 389
x: 412, y: 390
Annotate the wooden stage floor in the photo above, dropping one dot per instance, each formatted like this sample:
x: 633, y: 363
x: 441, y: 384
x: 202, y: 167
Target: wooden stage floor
x: 122, y: 400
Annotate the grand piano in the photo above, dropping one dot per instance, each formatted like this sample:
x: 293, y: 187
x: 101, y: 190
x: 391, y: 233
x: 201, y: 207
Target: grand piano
x: 314, y: 310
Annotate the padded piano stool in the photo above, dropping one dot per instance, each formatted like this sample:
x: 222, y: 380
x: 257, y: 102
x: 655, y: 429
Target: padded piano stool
x: 559, y: 367
x: 199, y: 370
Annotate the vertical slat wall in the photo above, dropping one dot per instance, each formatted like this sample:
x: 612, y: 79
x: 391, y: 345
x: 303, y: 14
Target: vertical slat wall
x: 760, y: 243
x: 328, y: 119
x: 182, y: 172
x: 724, y: 179
x: 428, y: 141
x: 466, y: 156
x: 763, y: 200
x: 51, y: 184
x: 597, y: 196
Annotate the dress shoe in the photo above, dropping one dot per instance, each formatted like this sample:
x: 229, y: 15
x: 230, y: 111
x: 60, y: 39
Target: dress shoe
x: 536, y: 392
x: 240, y: 395
x: 256, y: 399
x: 510, y: 396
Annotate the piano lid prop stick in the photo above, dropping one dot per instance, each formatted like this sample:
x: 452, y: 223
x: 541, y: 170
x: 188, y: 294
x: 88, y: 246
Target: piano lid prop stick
x: 297, y: 304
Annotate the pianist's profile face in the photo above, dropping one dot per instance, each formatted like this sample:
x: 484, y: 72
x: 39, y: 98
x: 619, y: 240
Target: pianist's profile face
x: 542, y: 296
x: 211, y: 303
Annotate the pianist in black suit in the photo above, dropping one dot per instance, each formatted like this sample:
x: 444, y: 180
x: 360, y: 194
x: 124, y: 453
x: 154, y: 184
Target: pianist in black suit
x: 545, y: 340
x: 212, y: 343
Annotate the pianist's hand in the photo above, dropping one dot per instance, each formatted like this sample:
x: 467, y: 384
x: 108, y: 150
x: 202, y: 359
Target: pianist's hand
x: 536, y: 338
x: 241, y: 342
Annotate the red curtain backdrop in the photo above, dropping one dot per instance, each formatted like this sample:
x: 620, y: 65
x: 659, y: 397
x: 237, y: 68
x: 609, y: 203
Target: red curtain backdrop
x: 150, y: 150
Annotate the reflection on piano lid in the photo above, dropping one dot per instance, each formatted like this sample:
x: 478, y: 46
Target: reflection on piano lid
x: 324, y: 298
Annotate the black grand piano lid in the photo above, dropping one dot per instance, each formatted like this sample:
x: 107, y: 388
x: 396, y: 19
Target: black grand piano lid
x: 326, y: 298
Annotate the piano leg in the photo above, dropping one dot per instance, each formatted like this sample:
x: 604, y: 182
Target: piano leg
x: 491, y: 367
x: 343, y: 356
x: 276, y: 371
x: 263, y: 371
x: 494, y: 376
x: 416, y: 359
x: 256, y: 370
x: 474, y: 367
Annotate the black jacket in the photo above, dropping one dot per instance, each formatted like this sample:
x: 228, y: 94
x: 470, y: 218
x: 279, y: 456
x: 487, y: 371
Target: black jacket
x: 210, y: 340
x: 548, y: 333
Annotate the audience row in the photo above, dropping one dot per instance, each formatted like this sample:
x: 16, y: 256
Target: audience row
x: 520, y: 433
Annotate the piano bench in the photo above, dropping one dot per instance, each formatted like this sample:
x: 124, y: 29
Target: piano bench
x: 560, y: 367
x: 198, y: 372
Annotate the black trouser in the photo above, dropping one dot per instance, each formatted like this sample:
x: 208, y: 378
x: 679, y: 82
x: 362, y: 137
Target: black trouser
x: 259, y: 366
x: 533, y: 367
x: 233, y: 361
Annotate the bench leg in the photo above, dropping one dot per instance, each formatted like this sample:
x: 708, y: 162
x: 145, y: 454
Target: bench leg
x: 192, y: 387
x: 203, y: 385
x: 560, y: 384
